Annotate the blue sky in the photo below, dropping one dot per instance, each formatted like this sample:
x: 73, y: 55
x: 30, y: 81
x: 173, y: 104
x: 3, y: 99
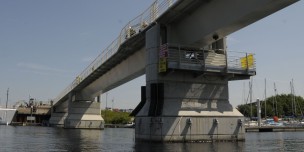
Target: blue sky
x: 44, y: 45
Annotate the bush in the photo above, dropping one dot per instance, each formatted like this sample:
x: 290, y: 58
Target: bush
x: 112, y: 117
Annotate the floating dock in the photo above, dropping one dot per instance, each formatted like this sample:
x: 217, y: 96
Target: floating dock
x: 274, y: 129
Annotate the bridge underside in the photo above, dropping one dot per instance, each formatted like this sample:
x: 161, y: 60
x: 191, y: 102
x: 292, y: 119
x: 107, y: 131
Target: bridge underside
x: 198, y: 22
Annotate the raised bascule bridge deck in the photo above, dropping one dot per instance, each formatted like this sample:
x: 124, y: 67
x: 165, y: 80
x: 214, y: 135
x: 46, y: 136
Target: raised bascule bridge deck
x: 181, y: 48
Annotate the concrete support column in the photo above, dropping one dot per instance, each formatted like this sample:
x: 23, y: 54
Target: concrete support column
x: 79, y: 114
x: 84, y: 115
x: 181, y: 107
x: 59, y: 114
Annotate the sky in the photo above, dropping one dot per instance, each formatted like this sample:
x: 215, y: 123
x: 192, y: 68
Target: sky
x: 44, y: 45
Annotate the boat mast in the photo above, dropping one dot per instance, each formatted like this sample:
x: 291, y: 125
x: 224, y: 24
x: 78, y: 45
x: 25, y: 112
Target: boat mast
x: 292, y: 102
x: 7, y: 97
x: 250, y: 93
x: 243, y: 94
x: 265, y: 100
x: 295, y: 101
x: 275, y: 98
x: 294, y: 98
x: 5, y: 114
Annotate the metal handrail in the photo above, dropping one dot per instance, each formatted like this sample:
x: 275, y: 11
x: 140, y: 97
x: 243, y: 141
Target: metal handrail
x: 231, y: 60
x: 137, y: 25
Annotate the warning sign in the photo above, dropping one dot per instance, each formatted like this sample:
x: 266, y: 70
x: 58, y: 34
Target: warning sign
x: 163, y: 54
x: 162, y: 65
x: 247, y: 61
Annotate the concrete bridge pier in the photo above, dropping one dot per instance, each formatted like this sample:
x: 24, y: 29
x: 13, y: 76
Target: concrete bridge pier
x: 83, y: 114
x: 183, y: 106
x: 80, y: 114
x: 59, y: 114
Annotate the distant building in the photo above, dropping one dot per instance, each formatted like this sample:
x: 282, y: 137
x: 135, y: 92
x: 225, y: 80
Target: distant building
x: 33, y: 112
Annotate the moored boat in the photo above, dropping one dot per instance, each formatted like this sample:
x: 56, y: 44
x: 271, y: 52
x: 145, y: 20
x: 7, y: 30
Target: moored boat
x: 273, y: 122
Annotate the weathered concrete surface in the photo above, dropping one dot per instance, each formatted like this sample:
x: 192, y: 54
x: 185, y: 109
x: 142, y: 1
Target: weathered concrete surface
x: 189, y: 128
x: 77, y: 114
x: 84, y: 115
x: 58, y: 114
x: 57, y: 119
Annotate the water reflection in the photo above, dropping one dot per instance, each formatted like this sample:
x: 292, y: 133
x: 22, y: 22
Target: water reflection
x: 119, y: 139
x: 275, y: 141
x: 77, y: 139
x: 210, y: 147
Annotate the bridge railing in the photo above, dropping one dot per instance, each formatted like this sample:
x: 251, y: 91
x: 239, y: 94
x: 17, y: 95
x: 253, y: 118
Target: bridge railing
x: 135, y: 26
x: 198, y: 59
x: 241, y: 61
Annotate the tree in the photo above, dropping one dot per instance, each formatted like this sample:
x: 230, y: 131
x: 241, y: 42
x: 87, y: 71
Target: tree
x: 280, y: 104
x: 113, y: 117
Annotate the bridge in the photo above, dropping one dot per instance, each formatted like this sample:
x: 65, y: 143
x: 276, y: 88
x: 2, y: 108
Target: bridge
x: 181, y: 48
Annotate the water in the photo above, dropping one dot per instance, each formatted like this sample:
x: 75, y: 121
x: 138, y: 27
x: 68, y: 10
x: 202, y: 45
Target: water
x: 27, y: 138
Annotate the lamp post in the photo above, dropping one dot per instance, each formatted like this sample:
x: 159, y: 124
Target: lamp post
x: 7, y: 97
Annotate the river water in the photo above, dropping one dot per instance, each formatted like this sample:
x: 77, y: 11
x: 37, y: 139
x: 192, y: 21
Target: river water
x: 29, y: 138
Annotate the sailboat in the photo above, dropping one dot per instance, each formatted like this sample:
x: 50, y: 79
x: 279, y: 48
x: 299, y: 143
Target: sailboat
x: 6, y: 114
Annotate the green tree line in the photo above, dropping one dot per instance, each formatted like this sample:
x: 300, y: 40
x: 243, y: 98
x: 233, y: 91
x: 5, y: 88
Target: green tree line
x: 279, y: 105
x: 113, y: 117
